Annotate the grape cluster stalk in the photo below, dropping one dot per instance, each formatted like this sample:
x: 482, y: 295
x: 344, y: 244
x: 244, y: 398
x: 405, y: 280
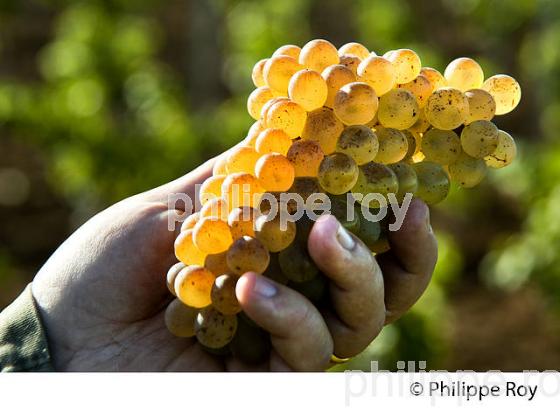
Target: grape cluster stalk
x: 333, y: 121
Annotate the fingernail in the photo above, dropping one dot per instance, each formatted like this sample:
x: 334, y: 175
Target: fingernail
x: 345, y: 239
x: 428, y: 224
x: 264, y: 287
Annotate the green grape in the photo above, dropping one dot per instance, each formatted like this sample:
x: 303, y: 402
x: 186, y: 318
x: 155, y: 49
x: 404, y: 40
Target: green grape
x: 382, y: 244
x: 274, y: 271
x: 433, y: 182
x: 481, y: 105
x: 467, y: 171
x: 296, y: 264
x: 505, y: 90
x: 323, y: 127
x: 447, y: 108
x: 479, y: 138
x: 349, y: 219
x: 393, y: 145
x: 408, y: 181
x: 247, y: 254
x: 338, y: 173
x: 172, y: 275
x: 214, y: 329
x: 180, y: 318
x: 505, y: 152
x: 223, y: 295
x: 315, y: 290
x: 411, y: 144
x: 369, y: 230
x: 375, y: 178
x: 464, y: 74
x: 250, y: 344
x: 275, y: 234
x: 441, y: 146
x: 398, y: 109
x: 359, y: 143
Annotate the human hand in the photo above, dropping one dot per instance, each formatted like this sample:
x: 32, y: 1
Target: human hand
x: 103, y: 293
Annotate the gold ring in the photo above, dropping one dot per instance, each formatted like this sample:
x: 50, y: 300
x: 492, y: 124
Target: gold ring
x: 339, y: 360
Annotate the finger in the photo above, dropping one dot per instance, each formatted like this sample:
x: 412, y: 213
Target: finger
x: 408, y: 266
x: 298, y: 332
x: 356, y: 289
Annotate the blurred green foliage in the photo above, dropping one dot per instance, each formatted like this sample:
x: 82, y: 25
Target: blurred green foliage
x: 103, y: 99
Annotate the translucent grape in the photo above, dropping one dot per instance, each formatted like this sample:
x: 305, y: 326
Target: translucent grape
x: 216, y: 263
x: 479, y: 138
x: 242, y: 159
x: 422, y: 124
x: 211, y: 188
x: 375, y: 178
x: 393, y: 145
x: 212, y: 235
x: 223, y: 295
x: 464, y: 74
x: 277, y: 72
x: 421, y: 88
x: 180, y: 319
x: 467, y: 171
x: 275, y: 172
x: 257, y: 73
x: 186, y: 251
x: 338, y: 173
x: 273, y: 140
x: 247, y: 254
x: 379, y: 73
x: 505, y: 152
x: 308, y: 89
x: 193, y: 286
x: 288, y: 50
x: 287, y: 116
x: 266, y: 107
x: 275, y: 234
x: 505, y: 90
x: 359, y: 143
x: 408, y: 181
x: 336, y: 77
x: 407, y: 64
x: 214, y: 329
x: 441, y: 146
x: 318, y: 55
x: 250, y: 344
x: 398, y: 109
x: 447, y: 108
x: 355, y: 104
x: 324, y: 128
x: 190, y: 221
x: 219, y: 167
x: 259, y: 97
x: 481, y: 105
x: 254, y: 133
x: 351, y: 63
x: 435, y: 77
x: 356, y: 49
x: 306, y: 156
x: 296, y: 264
x: 242, y: 189
x: 172, y: 275
x: 241, y: 222
x: 216, y: 207
x: 433, y: 182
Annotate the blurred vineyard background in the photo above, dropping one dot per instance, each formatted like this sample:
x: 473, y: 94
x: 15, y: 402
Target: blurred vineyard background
x: 103, y: 99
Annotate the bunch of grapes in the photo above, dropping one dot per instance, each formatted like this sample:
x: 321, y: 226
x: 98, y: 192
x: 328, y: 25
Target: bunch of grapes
x: 338, y: 122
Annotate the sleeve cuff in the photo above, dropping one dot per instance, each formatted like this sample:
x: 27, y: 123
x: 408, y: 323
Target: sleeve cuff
x: 23, y: 343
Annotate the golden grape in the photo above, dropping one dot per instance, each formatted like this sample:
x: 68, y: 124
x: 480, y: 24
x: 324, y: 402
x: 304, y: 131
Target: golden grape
x: 247, y: 254
x: 287, y: 116
x: 241, y: 222
x: 212, y: 235
x: 481, y: 105
x: 257, y: 74
x: 464, y: 74
x: 379, y: 73
x: 505, y: 90
x: 273, y: 140
x: 398, y: 109
x: 172, y: 275
x: 356, y: 49
x: 288, y: 50
x: 277, y: 72
x: 318, y: 55
x: 421, y: 88
x: 242, y: 159
x: 308, y: 89
x: 447, y: 108
x: 306, y: 156
x: 355, y: 104
x: 434, y: 77
x: 193, y: 286
x: 336, y: 77
x: 186, y: 250
x: 275, y: 172
x: 505, y: 152
x: 407, y: 64
x: 223, y: 295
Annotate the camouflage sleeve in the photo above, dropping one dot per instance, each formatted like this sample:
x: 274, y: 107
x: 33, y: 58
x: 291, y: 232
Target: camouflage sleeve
x: 23, y: 343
